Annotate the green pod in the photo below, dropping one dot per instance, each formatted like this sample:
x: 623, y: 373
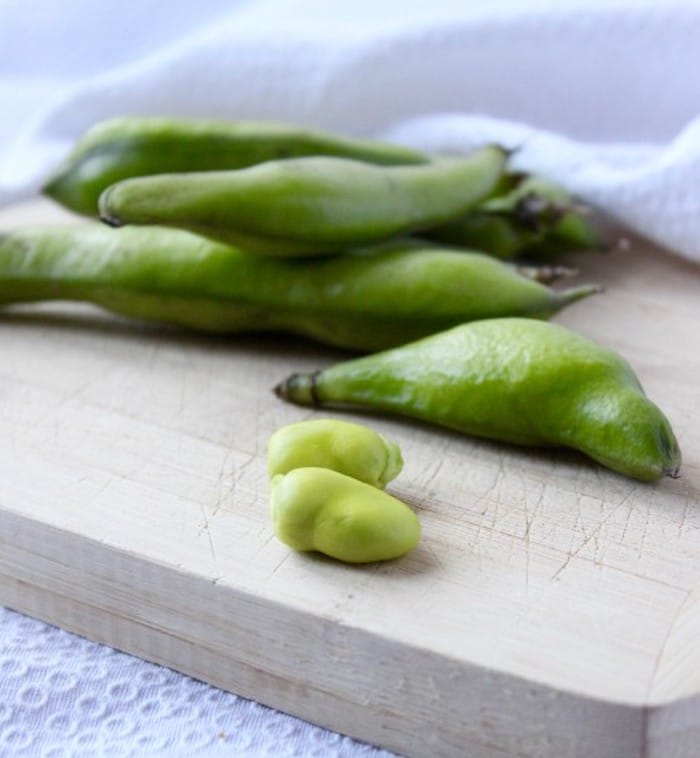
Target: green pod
x: 570, y: 234
x: 366, y: 301
x: 536, y: 218
x: 307, y: 206
x: 531, y: 198
x: 133, y: 146
x: 498, y: 235
x: 351, y: 449
x: 323, y: 510
x: 559, y: 223
x: 516, y: 380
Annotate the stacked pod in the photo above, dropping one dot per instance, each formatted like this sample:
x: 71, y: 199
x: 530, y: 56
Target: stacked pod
x: 358, y: 244
x: 292, y: 203
x: 264, y: 227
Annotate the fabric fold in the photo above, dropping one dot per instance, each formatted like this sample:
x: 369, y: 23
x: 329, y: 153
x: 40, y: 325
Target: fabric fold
x: 599, y: 96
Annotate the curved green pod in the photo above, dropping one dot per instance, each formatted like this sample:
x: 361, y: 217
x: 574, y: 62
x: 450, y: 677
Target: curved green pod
x: 308, y: 206
x: 323, y: 510
x: 135, y: 146
x: 367, y: 301
x: 515, y: 380
x: 351, y: 449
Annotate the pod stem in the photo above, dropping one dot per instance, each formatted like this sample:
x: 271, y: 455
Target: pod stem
x: 300, y: 389
x: 571, y: 295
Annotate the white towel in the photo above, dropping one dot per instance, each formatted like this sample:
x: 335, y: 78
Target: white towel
x: 602, y: 95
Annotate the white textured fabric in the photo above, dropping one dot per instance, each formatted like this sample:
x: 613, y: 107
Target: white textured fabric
x: 602, y: 95
x: 64, y: 697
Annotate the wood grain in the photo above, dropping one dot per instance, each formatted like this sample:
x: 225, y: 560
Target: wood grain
x: 551, y: 609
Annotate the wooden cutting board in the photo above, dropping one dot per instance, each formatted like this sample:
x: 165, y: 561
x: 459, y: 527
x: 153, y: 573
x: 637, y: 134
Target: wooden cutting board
x: 551, y: 609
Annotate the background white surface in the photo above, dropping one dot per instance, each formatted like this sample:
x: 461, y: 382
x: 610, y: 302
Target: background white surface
x: 602, y: 95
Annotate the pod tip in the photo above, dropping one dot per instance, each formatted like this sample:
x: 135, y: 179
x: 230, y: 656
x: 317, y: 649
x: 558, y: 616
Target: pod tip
x: 571, y: 295
x: 110, y: 219
x: 300, y: 389
x: 509, y: 150
x: 52, y: 184
x: 48, y: 188
x: 280, y: 389
x: 104, y: 208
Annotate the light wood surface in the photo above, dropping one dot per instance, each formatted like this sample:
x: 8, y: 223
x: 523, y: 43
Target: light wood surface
x: 551, y: 609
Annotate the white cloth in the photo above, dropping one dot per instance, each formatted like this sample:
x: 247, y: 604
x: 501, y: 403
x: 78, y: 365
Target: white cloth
x: 65, y: 697
x: 602, y: 95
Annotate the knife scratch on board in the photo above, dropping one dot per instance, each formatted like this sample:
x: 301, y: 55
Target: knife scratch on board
x: 279, y: 565
x: 205, y: 528
x: 590, y: 537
